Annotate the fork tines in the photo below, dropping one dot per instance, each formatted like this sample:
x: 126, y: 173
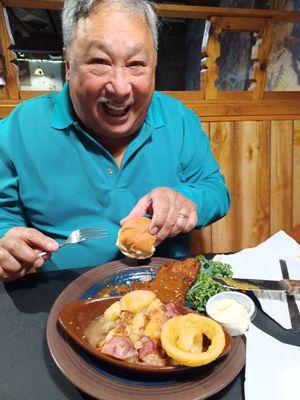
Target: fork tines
x: 92, y: 232
x: 92, y: 229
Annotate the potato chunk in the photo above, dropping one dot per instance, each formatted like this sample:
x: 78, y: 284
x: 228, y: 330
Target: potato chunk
x: 112, y: 312
x: 137, y: 300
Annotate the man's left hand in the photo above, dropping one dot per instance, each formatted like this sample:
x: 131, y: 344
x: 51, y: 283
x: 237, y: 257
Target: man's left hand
x: 172, y: 213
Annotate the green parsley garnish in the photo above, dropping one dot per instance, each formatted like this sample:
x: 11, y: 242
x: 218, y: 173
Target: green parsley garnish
x: 205, y: 287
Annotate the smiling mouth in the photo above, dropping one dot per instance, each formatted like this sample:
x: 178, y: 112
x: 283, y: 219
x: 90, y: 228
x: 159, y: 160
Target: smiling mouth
x: 115, y: 110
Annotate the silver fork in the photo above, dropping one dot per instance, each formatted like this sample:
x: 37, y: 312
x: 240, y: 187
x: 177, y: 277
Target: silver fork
x: 81, y: 235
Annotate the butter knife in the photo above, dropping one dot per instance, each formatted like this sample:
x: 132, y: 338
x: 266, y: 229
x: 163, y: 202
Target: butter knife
x: 288, y: 286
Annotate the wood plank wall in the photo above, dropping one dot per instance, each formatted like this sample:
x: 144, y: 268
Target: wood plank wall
x: 261, y: 164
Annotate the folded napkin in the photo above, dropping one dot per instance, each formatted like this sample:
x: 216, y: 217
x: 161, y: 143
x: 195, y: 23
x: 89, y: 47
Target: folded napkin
x: 272, y: 368
x: 262, y: 262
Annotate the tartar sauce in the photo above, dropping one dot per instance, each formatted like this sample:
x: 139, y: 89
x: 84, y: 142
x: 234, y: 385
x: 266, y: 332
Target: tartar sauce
x: 231, y: 313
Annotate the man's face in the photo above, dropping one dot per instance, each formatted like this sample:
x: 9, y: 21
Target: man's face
x: 111, y: 72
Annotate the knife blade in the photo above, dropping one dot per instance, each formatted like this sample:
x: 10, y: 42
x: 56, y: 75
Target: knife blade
x: 288, y: 286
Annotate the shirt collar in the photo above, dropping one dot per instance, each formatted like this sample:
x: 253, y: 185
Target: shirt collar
x: 154, y: 116
x: 63, y: 112
x: 64, y: 115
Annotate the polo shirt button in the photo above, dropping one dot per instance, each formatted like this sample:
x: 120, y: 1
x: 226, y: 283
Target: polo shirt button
x: 110, y: 171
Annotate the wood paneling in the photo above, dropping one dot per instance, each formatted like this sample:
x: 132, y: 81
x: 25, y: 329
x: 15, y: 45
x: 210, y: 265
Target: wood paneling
x: 245, y: 110
x: 11, y: 89
x: 42, y: 4
x: 29, y: 94
x: 217, y: 110
x: 262, y: 60
x: 237, y: 24
x: 296, y: 174
x: 288, y: 95
x: 187, y: 11
x: 223, y: 146
x: 201, y: 240
x: 261, y: 164
x: 281, y: 175
x: 211, y: 52
x: 179, y: 11
x: 6, y: 106
x: 252, y: 183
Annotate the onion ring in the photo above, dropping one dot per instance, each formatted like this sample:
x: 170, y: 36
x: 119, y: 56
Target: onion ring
x: 181, y: 338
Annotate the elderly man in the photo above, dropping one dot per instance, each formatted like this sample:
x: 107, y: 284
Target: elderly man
x: 104, y: 149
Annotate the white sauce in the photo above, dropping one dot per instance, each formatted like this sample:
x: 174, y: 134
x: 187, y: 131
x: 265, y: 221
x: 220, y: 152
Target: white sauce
x: 231, y: 313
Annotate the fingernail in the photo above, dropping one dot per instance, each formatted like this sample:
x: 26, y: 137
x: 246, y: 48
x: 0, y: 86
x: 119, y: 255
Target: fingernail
x: 52, y: 246
x: 153, y: 230
x: 38, y: 263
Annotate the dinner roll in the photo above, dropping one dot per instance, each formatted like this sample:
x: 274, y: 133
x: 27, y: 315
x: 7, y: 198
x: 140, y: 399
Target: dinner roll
x: 135, y: 240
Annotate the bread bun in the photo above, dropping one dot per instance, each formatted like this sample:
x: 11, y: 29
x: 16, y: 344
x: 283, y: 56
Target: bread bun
x: 135, y: 240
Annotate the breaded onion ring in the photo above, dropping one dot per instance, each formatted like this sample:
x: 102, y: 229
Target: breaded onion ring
x: 192, y: 326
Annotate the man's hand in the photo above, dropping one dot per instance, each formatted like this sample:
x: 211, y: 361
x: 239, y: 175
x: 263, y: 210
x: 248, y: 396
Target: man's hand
x: 19, y: 250
x: 172, y: 213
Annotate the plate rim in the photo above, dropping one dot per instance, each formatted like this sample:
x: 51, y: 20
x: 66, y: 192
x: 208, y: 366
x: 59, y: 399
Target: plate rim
x: 87, y: 377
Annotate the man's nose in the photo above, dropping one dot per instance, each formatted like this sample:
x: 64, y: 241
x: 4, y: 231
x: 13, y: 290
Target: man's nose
x: 119, y: 83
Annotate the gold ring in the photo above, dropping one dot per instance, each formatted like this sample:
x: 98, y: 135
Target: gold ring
x: 181, y: 216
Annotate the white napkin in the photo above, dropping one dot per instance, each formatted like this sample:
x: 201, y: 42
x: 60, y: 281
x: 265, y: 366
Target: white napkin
x: 272, y: 368
x: 262, y: 262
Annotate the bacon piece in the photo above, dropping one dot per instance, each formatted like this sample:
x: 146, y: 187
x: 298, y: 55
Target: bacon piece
x: 171, y: 310
x: 149, y: 354
x: 119, y: 347
x: 149, y: 346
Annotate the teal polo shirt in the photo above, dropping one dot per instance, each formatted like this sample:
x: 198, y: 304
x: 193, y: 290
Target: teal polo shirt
x: 55, y: 177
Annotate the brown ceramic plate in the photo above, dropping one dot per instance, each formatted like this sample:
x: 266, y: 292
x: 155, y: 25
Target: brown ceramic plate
x: 78, y: 315
x: 93, y: 377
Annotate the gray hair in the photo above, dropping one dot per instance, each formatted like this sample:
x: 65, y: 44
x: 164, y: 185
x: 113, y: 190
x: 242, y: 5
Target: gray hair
x: 74, y: 10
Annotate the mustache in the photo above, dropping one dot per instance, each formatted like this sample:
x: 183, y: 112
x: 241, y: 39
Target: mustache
x: 105, y: 100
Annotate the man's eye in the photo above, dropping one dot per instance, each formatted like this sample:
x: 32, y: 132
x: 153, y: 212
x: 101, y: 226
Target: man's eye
x: 136, y: 64
x: 99, y: 61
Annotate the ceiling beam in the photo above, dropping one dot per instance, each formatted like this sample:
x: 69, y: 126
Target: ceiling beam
x: 41, y: 4
x: 178, y: 11
x: 198, y: 12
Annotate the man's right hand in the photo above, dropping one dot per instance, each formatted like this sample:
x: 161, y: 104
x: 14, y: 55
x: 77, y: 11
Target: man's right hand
x: 19, y: 250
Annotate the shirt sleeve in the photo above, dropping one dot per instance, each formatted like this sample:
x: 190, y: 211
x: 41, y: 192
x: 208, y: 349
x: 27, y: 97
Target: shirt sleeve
x: 11, y: 213
x: 202, y: 181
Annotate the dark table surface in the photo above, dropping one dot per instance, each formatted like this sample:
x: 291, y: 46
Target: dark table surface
x: 27, y: 370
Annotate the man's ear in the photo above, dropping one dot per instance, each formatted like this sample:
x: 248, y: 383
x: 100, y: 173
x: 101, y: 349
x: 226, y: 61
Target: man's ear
x: 67, y: 65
